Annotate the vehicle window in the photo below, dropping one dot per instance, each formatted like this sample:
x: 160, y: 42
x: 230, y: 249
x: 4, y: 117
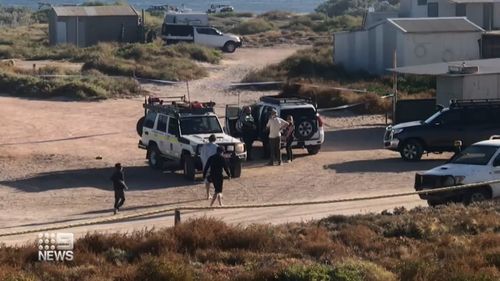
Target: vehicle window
x: 200, y: 125
x: 496, y: 162
x: 203, y: 30
x: 451, y: 117
x: 149, y: 122
x: 173, y: 126
x: 434, y: 116
x: 161, y: 125
x: 256, y: 111
x: 475, y: 155
x: 298, y: 113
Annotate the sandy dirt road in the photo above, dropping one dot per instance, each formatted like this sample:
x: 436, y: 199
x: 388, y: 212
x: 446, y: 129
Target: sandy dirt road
x: 49, y: 174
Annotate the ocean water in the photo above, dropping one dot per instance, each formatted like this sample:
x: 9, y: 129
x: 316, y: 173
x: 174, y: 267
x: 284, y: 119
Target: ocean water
x: 254, y: 6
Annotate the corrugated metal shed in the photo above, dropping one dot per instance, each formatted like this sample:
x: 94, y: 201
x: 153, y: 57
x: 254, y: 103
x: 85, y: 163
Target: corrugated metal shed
x: 487, y: 66
x: 435, y: 25
x: 83, y: 11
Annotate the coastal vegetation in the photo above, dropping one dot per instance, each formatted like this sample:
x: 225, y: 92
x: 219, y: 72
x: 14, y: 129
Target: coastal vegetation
x: 433, y: 244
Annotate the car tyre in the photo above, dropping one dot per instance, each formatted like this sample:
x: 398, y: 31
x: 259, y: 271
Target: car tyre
x: 411, y: 150
x: 235, y: 167
x: 229, y: 47
x: 155, y: 160
x: 304, y: 130
x: 139, y: 126
x: 313, y: 149
x: 476, y: 195
x: 189, y: 169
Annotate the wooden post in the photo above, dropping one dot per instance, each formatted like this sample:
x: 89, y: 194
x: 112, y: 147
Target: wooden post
x: 177, y: 217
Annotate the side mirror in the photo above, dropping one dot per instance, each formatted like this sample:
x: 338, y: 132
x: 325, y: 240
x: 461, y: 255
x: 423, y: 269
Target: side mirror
x: 496, y: 163
x: 457, y: 143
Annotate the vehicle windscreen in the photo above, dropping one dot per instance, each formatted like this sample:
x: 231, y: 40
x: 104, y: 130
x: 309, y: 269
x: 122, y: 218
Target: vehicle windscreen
x: 475, y: 155
x: 434, y: 116
x: 200, y: 125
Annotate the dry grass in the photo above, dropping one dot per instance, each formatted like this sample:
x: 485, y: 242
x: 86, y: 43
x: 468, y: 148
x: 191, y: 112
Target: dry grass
x: 424, y: 244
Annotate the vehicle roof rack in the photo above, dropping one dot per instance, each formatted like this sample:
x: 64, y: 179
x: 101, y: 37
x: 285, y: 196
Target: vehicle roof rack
x: 177, y: 105
x: 495, y: 137
x: 285, y: 100
x: 474, y: 102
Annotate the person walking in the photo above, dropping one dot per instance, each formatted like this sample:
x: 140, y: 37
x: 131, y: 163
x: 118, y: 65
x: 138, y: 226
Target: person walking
x: 208, y: 150
x: 275, y: 125
x: 248, y: 130
x: 288, y: 136
x: 119, y: 186
x: 217, y: 163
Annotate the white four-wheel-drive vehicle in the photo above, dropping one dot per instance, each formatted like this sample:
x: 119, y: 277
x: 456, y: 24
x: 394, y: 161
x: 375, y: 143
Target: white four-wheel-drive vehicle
x: 477, y: 163
x: 176, y: 131
x: 195, y: 29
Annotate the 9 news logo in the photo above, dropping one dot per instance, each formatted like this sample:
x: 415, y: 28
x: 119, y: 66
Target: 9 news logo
x: 55, y: 246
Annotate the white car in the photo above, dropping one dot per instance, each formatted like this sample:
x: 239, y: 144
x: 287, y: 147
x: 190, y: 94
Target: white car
x: 479, y: 162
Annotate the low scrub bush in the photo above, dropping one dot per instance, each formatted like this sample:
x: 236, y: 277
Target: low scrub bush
x: 252, y: 26
x: 91, y: 86
x: 357, y: 249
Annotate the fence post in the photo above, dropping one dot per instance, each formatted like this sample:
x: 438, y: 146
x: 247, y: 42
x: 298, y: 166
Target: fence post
x: 177, y: 217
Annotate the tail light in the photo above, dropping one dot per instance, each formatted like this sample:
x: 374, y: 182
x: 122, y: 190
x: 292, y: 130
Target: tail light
x: 320, y: 121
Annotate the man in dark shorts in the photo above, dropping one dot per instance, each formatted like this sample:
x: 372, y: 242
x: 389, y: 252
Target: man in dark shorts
x: 119, y: 186
x: 217, y: 163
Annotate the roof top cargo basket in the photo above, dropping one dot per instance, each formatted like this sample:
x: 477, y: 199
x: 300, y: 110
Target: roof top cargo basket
x: 285, y: 100
x: 177, y: 105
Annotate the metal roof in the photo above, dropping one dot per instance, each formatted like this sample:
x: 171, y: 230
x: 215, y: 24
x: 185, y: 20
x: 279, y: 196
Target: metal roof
x: 92, y: 11
x: 486, y: 66
x: 435, y: 25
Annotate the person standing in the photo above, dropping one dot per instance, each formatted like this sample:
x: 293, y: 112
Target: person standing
x: 275, y: 125
x: 208, y: 150
x: 119, y: 186
x: 248, y: 130
x: 288, y: 136
x: 217, y: 163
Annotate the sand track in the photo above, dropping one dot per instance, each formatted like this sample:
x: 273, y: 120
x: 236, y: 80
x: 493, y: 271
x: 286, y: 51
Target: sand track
x: 49, y: 173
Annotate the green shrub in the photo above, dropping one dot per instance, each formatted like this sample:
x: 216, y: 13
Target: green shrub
x: 359, y: 270
x: 315, y: 272
x: 155, y: 269
x: 252, y: 26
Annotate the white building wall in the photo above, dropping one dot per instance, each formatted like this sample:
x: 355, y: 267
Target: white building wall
x: 481, y: 86
x: 496, y: 16
x: 448, y: 88
x: 417, y: 11
x: 425, y: 48
x: 351, y: 50
x: 445, y: 8
x: 474, y: 13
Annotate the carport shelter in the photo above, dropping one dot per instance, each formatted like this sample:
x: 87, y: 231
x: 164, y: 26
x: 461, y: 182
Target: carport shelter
x: 473, y: 79
x: 87, y: 25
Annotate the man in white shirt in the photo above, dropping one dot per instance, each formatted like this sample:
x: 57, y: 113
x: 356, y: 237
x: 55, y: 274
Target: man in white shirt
x: 275, y: 125
x: 208, y: 150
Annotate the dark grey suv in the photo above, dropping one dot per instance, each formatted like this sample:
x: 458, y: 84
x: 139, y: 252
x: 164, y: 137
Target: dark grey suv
x: 469, y: 121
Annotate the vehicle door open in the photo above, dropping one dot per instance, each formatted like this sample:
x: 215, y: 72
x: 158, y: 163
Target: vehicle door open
x: 233, y: 113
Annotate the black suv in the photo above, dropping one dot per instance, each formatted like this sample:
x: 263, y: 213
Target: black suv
x: 468, y: 121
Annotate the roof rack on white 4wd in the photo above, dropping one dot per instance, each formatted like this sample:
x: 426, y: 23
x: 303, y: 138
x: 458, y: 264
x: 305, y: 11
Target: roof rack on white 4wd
x: 174, y: 130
